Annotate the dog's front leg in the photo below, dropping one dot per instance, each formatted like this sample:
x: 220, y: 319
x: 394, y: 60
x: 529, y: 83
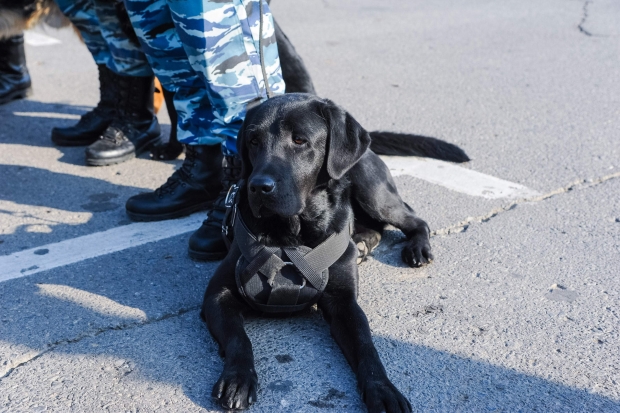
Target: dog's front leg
x: 349, y: 327
x: 223, y: 312
x: 375, y: 192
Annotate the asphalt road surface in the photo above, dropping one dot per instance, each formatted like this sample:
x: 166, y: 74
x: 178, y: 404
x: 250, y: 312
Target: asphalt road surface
x: 519, y: 312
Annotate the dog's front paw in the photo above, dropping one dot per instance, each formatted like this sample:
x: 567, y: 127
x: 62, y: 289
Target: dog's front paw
x: 383, y: 396
x: 417, y: 252
x: 236, y: 388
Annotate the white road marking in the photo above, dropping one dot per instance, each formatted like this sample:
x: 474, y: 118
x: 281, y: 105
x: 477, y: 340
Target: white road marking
x: 38, y: 39
x: 457, y: 178
x: 47, y: 257
x: 47, y: 115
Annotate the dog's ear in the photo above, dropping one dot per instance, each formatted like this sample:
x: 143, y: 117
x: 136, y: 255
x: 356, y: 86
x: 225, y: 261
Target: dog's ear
x: 242, y: 148
x: 347, y: 140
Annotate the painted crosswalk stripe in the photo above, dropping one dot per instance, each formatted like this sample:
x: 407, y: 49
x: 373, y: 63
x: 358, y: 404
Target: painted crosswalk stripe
x: 47, y: 257
x: 50, y: 115
x: 38, y: 39
x: 457, y: 178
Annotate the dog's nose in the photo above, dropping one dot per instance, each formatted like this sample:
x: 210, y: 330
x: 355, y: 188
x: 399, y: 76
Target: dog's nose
x: 262, y: 184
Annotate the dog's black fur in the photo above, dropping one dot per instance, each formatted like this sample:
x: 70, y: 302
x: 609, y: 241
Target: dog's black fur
x: 319, y: 171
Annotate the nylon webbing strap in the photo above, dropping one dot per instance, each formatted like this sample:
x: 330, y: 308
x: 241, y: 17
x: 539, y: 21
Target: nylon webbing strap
x: 318, y: 259
x: 255, y: 265
x: 311, y: 264
x: 260, y: 257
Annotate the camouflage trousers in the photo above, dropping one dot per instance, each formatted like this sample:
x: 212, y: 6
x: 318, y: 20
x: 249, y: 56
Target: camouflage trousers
x: 99, y: 26
x: 207, y: 52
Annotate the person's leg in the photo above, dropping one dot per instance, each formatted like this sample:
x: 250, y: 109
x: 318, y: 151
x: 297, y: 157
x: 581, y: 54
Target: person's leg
x: 196, y: 184
x: 126, y: 57
x: 125, y: 83
x: 82, y: 15
x: 14, y: 77
x: 222, y: 40
x: 92, y: 124
x: 135, y: 128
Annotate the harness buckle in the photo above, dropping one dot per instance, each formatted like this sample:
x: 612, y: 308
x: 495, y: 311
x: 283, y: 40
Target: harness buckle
x: 231, y: 209
x: 231, y: 195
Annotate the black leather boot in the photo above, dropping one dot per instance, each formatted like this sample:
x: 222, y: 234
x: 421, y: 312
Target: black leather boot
x: 207, y: 243
x: 135, y: 128
x: 173, y: 148
x: 92, y: 124
x: 191, y: 188
x: 14, y: 77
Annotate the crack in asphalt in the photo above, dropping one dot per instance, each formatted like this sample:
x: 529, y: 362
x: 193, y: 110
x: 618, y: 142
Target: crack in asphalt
x: 88, y: 334
x: 579, y: 184
x: 584, y: 17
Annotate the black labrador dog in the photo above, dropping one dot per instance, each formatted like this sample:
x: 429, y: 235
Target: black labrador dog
x: 309, y: 171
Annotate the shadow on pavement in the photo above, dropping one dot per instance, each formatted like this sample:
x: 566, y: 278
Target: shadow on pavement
x: 28, y: 122
x: 41, y: 206
x: 116, y: 327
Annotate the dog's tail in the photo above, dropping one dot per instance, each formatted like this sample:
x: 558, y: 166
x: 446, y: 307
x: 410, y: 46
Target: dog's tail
x: 404, y: 144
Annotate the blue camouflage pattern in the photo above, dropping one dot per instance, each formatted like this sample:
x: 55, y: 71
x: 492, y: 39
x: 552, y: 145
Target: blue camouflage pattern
x: 207, y: 52
x: 99, y: 26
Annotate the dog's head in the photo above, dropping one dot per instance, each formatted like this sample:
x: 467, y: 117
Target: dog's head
x: 290, y: 145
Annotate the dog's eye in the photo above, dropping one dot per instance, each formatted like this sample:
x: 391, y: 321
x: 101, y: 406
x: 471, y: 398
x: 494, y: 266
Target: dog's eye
x: 254, y: 141
x: 298, y: 141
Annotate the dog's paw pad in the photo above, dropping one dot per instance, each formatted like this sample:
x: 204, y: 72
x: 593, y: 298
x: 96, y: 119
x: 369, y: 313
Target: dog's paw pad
x: 362, y: 252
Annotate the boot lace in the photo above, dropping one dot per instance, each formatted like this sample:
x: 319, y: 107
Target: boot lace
x: 113, y: 134
x: 181, y: 176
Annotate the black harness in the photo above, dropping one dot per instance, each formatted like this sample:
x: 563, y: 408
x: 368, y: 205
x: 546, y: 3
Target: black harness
x: 280, y: 280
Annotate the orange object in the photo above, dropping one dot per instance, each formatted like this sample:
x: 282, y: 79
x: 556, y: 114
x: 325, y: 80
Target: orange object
x: 158, y: 97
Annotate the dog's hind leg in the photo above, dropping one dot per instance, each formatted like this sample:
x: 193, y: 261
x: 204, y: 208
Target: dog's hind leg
x: 222, y: 310
x: 366, y: 240
x: 374, y: 191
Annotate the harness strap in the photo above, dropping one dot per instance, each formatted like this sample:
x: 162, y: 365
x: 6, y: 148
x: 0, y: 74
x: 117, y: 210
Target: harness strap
x: 257, y: 263
x: 313, y: 263
x: 281, y: 289
x: 260, y: 257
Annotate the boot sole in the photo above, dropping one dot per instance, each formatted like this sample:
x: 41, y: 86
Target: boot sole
x: 16, y: 95
x: 170, y: 215
x: 206, y: 256
x: 119, y: 159
x: 110, y: 161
